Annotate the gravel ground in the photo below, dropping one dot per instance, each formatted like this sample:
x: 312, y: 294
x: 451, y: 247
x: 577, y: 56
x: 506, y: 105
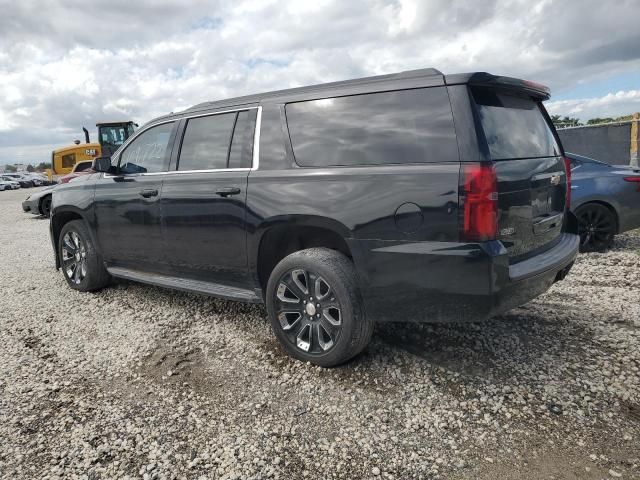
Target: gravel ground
x: 140, y: 382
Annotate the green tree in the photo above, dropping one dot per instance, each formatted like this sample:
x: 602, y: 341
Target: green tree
x: 565, y: 121
x: 595, y: 121
x: 10, y: 169
x: 42, y: 166
x: 30, y: 168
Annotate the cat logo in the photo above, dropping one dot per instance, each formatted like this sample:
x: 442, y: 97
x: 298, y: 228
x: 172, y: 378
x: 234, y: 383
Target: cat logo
x: 90, y: 151
x: 555, y: 179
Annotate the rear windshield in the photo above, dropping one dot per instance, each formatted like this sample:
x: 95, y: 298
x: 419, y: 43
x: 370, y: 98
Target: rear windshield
x: 514, y: 126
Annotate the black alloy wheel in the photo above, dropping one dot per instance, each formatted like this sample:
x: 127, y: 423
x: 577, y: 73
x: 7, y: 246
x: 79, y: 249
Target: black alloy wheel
x: 81, y: 264
x: 74, y: 257
x: 315, y: 307
x: 596, y: 226
x: 308, y: 311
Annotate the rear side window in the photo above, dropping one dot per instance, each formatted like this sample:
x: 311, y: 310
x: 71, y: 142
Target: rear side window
x: 514, y: 126
x: 242, y: 144
x: 400, y: 127
x: 208, y: 143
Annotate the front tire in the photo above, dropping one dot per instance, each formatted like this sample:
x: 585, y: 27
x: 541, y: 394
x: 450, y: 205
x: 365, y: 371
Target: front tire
x: 315, y: 307
x: 45, y: 206
x: 82, y: 265
x: 596, y: 226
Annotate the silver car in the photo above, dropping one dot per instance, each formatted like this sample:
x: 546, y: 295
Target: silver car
x: 6, y: 184
x: 605, y: 198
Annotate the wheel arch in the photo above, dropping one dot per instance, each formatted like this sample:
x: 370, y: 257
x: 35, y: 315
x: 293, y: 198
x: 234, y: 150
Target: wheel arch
x: 58, y: 221
x: 284, y: 235
x: 41, y: 201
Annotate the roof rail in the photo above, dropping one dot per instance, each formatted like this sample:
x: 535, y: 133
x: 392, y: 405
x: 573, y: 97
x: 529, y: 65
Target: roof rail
x: 418, y: 73
x: 246, y: 99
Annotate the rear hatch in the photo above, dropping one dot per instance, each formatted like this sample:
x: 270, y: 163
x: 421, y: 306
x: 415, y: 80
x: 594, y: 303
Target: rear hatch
x: 529, y: 166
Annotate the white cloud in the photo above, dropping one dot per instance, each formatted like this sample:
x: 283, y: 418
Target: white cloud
x: 88, y: 61
x: 609, y: 105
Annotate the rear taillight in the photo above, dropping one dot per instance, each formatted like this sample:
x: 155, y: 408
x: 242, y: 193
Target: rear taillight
x: 567, y: 168
x: 479, y: 202
x: 634, y: 180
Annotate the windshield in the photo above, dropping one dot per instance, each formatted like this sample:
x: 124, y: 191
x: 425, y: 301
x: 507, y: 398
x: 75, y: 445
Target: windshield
x: 112, y: 135
x: 515, y: 127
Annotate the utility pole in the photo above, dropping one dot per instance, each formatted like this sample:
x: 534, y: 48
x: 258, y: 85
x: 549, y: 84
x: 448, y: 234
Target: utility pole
x: 635, y: 139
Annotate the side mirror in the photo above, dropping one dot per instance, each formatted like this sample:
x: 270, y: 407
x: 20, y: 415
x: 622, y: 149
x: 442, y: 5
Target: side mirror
x: 102, y: 164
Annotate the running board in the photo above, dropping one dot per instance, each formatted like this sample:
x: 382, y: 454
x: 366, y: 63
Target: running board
x: 196, y: 286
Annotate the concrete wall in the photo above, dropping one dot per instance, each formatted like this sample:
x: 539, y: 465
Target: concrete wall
x: 609, y: 143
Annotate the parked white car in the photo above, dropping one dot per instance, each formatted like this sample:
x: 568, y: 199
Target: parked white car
x: 5, y: 185
x: 9, y: 183
x: 21, y: 178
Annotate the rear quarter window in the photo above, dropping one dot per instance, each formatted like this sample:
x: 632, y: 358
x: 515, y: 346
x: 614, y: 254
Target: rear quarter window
x: 399, y: 127
x: 514, y: 126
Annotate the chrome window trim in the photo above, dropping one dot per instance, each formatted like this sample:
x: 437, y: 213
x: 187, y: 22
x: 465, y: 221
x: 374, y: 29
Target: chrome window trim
x: 255, y: 161
x: 244, y: 169
x: 256, y: 145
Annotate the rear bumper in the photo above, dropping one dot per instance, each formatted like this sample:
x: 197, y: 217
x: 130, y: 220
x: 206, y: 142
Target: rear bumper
x: 453, y: 282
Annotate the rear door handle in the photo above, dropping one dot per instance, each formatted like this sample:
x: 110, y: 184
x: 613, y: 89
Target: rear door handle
x: 149, y: 192
x: 227, y: 191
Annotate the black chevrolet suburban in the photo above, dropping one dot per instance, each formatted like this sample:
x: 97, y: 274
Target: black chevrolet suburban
x: 414, y: 196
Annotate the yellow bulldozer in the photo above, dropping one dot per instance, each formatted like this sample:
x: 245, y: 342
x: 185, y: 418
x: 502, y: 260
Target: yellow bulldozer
x: 110, y: 136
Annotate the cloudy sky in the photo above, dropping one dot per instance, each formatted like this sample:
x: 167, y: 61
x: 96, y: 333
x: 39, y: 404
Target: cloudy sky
x: 69, y: 63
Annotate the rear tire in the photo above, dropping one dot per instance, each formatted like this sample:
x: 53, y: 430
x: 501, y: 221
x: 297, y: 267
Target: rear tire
x: 315, y: 307
x: 596, y: 226
x: 82, y: 265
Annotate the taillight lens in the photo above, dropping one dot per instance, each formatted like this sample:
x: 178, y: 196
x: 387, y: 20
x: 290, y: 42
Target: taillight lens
x: 567, y: 167
x: 479, y: 199
x: 634, y: 180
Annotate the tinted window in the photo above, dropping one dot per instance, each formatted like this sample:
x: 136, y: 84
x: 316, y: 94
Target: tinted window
x: 113, y: 135
x: 242, y: 144
x: 206, y: 140
x: 82, y: 166
x: 408, y: 126
x: 272, y: 138
x: 149, y: 152
x: 514, y: 126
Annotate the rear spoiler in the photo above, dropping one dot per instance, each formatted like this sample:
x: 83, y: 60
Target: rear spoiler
x: 484, y: 79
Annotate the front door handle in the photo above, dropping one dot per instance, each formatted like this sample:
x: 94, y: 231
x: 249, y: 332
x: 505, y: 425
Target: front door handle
x: 149, y: 192
x: 227, y: 191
